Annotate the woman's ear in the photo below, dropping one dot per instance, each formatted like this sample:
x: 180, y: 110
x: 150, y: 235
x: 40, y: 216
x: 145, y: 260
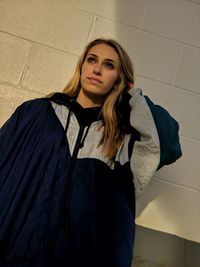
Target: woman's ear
x: 130, y: 86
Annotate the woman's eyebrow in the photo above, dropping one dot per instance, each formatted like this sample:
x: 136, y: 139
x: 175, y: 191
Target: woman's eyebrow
x: 106, y: 59
x: 92, y: 55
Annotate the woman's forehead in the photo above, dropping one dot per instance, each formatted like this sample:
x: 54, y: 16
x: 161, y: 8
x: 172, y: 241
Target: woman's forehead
x: 104, y: 51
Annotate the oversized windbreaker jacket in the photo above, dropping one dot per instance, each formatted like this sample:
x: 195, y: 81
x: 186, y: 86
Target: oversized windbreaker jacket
x: 62, y: 202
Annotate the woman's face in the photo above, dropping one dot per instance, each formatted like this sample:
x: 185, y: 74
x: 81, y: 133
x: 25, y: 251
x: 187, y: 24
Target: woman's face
x: 100, y: 71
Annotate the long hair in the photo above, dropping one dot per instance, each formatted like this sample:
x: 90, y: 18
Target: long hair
x: 113, y: 135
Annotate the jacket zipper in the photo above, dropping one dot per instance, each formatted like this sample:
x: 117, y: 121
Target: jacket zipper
x: 66, y: 193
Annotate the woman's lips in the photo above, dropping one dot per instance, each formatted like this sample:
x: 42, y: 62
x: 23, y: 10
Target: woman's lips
x: 94, y: 80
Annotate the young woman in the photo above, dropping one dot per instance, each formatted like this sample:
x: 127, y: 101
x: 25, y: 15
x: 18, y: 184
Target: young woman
x: 72, y: 164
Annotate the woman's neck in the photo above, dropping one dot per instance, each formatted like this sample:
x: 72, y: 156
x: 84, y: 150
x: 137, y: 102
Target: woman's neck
x: 88, y: 101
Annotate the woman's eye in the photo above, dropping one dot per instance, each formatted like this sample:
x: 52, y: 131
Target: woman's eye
x: 109, y: 65
x: 91, y: 60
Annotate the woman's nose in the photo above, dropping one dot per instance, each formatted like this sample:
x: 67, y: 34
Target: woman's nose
x: 97, y: 69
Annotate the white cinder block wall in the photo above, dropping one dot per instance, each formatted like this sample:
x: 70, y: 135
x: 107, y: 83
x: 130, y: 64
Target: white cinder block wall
x: 40, y: 42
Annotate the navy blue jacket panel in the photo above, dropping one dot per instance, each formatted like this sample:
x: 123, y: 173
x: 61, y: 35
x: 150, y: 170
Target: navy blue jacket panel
x: 62, y: 201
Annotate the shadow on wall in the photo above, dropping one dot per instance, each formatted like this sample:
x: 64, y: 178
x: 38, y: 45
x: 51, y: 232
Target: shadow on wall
x: 151, y: 193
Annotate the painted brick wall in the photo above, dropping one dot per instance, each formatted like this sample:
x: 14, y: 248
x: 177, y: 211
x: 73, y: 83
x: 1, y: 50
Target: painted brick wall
x: 40, y: 42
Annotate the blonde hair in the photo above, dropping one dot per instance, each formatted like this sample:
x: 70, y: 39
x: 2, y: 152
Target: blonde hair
x: 113, y: 135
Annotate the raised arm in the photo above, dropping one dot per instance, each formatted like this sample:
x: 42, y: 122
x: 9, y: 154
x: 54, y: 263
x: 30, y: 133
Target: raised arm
x: 158, y: 144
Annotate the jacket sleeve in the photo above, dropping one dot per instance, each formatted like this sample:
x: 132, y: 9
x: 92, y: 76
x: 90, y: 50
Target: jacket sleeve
x: 158, y: 142
x: 17, y: 126
x: 7, y: 131
x: 19, y: 118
